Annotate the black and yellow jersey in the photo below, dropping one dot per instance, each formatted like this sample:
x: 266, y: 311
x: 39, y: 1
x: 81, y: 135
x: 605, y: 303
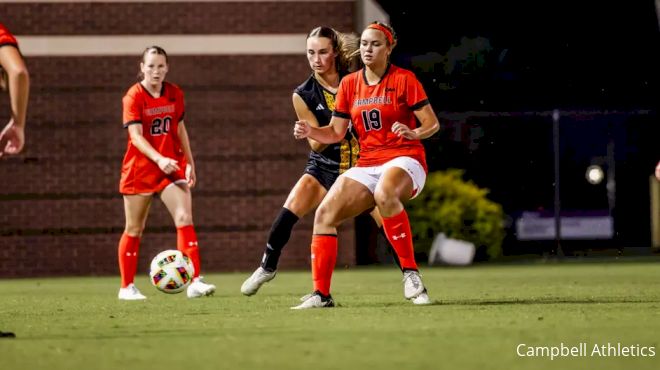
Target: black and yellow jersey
x: 337, y: 157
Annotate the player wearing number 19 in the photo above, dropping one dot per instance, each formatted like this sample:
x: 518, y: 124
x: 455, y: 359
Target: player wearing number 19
x: 384, y: 102
x: 158, y: 160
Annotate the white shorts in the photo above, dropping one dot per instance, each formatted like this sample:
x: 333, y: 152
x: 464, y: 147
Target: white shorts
x: 369, y: 176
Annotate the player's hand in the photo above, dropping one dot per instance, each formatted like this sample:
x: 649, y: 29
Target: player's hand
x: 402, y: 130
x: 301, y: 129
x: 167, y: 165
x: 12, y: 139
x: 657, y: 171
x: 191, y: 176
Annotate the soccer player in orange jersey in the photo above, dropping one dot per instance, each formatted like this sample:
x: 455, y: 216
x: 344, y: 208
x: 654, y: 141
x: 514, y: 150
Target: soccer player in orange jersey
x: 384, y: 103
x: 158, y: 160
x: 15, y: 78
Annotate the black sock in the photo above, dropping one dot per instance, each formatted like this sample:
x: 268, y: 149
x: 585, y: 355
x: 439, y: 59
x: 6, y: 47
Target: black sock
x: 390, y: 249
x: 279, y: 235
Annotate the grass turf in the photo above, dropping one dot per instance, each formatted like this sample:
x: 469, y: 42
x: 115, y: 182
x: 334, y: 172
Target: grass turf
x: 481, y: 314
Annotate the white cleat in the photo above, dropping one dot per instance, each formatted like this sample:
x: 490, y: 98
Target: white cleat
x: 314, y: 300
x: 199, y: 288
x: 130, y: 293
x: 258, y: 278
x: 422, y: 299
x: 412, y: 284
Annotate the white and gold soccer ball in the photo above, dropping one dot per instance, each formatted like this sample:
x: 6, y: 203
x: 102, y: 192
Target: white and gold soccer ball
x: 171, y: 271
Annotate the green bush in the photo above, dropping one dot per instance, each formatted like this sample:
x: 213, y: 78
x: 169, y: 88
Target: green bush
x: 460, y: 209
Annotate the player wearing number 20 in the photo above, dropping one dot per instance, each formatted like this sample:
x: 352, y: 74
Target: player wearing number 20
x: 158, y: 160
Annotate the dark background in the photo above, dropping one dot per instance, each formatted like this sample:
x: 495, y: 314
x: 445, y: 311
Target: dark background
x: 494, y: 72
x: 542, y: 55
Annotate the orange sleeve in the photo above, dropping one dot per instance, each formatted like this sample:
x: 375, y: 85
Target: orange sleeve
x: 6, y: 38
x: 132, y: 112
x: 415, y: 94
x: 342, y: 103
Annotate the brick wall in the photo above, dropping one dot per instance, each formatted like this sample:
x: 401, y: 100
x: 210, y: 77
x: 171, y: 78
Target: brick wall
x: 175, y: 17
x: 60, y: 212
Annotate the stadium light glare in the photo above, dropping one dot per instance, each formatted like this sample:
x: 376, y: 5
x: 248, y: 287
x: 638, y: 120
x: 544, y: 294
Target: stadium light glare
x: 595, y: 174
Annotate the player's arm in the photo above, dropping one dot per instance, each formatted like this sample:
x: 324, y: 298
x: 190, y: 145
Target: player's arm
x: 429, y: 125
x: 330, y: 134
x: 12, y: 136
x: 303, y: 113
x: 167, y: 165
x: 418, y: 101
x: 185, y: 145
x: 18, y: 83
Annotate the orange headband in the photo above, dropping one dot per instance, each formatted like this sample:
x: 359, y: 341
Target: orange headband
x: 384, y: 30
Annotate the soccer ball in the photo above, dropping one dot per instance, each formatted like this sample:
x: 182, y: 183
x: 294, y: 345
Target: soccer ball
x: 171, y: 271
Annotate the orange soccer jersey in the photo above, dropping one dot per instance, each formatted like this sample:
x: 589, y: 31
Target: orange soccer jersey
x: 374, y: 109
x: 6, y: 38
x: 160, y: 119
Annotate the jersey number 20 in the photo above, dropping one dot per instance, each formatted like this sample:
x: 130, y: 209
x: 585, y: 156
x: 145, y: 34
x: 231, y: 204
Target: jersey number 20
x: 160, y: 126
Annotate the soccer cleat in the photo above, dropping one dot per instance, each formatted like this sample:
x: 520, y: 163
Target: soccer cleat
x: 412, y: 284
x: 306, y: 296
x: 315, y: 300
x: 258, y: 278
x: 422, y: 299
x: 130, y: 293
x: 199, y: 288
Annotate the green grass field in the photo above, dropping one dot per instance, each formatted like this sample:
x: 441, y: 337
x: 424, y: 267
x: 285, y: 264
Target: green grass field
x: 481, y: 315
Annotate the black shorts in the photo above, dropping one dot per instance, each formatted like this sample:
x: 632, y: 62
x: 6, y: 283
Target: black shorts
x: 324, y: 176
